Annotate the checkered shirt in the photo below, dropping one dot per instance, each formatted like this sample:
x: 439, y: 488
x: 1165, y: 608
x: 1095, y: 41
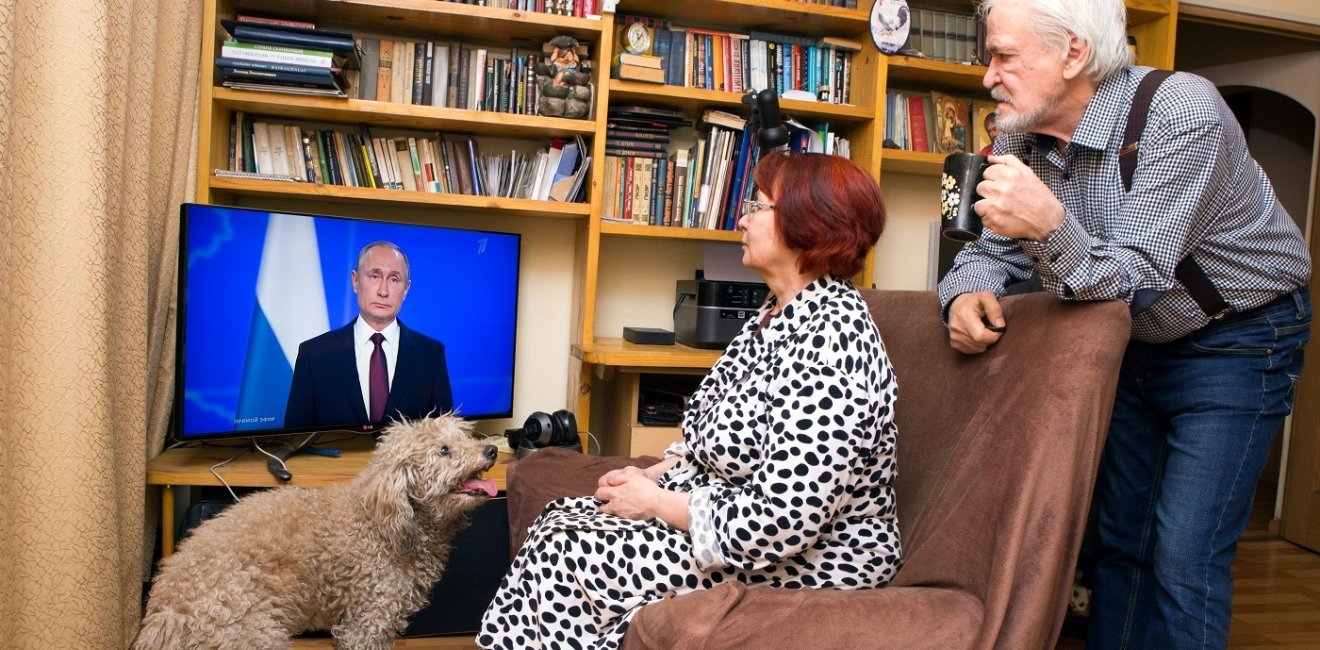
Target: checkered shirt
x: 1196, y: 190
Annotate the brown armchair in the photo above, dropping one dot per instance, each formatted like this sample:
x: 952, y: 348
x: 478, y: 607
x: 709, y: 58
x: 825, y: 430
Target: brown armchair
x: 996, y: 454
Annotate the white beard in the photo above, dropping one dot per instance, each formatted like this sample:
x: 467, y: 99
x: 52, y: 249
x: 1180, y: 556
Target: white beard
x: 1016, y: 121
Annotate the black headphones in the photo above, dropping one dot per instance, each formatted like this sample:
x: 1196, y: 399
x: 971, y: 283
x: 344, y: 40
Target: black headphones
x: 558, y: 429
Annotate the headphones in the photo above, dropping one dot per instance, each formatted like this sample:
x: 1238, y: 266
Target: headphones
x: 558, y: 429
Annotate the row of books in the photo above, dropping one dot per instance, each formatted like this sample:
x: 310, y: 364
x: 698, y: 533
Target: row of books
x: 430, y: 162
x: 947, y: 36
x: 283, y: 55
x: 702, y: 186
x: 449, y: 74
x: 738, y: 62
x: 576, y: 8
x: 937, y: 122
x: 848, y: 4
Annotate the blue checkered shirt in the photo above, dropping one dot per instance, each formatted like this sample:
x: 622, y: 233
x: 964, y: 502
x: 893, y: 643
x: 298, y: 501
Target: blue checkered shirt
x: 1196, y: 190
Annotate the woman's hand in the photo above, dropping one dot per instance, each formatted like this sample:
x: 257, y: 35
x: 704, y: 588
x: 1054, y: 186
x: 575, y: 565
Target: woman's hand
x: 629, y: 493
x: 632, y: 493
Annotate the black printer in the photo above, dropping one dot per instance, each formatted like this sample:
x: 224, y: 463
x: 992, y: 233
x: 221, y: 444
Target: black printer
x: 709, y: 313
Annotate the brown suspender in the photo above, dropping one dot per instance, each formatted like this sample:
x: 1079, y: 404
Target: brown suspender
x: 1188, y: 271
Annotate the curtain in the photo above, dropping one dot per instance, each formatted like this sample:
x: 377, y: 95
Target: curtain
x: 97, y: 138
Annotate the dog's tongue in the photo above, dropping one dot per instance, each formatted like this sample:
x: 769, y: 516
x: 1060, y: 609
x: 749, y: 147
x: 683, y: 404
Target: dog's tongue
x: 481, y: 485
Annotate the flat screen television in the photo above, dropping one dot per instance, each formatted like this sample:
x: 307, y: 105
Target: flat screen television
x: 255, y: 284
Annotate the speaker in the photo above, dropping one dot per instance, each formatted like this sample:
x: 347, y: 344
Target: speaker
x: 478, y: 560
x: 558, y: 429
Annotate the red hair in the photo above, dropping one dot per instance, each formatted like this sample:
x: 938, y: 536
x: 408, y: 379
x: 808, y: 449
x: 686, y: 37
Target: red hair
x: 826, y: 206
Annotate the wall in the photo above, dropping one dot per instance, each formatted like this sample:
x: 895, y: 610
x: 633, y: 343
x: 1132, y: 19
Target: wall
x: 1304, y: 11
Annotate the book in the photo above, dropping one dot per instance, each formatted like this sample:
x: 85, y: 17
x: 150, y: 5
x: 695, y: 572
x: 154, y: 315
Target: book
x: 637, y: 73
x: 642, y: 60
x: 274, y: 22
x: 385, y: 71
x: 917, y: 130
x: 723, y: 118
x: 370, y: 66
x: 282, y: 78
x: 562, y: 179
x: 276, y: 54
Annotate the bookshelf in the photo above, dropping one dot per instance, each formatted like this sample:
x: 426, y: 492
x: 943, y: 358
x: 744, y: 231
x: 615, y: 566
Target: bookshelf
x: 410, y: 19
x: 1152, y: 22
x: 611, y: 267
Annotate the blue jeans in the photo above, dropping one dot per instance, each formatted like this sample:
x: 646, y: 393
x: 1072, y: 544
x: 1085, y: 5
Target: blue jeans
x: 1193, y: 423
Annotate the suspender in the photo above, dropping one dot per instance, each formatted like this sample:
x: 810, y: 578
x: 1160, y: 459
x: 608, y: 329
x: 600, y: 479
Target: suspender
x: 1188, y: 271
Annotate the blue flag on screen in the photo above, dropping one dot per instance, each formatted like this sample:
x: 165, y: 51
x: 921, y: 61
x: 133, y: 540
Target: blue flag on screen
x: 290, y: 309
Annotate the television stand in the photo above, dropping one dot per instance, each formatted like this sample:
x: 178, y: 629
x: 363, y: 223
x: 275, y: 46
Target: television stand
x: 275, y: 458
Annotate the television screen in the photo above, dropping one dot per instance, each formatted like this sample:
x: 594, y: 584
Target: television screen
x: 270, y: 339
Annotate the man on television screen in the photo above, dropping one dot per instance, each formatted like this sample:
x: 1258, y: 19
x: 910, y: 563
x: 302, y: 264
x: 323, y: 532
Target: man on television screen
x: 374, y: 368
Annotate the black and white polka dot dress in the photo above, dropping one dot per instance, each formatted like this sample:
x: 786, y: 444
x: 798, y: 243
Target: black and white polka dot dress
x: 788, y: 457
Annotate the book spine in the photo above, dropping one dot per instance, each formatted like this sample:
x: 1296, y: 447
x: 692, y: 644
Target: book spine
x: 253, y: 34
x: 274, y: 22
x: 385, y: 72
x: 292, y: 56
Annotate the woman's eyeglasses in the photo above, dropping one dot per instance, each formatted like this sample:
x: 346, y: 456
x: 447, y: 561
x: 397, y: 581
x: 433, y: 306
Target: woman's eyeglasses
x: 752, y: 205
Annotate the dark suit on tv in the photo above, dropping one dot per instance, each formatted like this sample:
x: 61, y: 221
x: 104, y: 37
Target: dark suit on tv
x: 326, y: 391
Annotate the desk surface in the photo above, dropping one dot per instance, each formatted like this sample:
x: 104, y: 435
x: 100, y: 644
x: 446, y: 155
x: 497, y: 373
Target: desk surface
x: 192, y: 465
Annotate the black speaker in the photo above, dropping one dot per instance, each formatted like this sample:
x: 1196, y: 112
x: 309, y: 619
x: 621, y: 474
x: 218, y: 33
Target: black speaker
x: 478, y: 560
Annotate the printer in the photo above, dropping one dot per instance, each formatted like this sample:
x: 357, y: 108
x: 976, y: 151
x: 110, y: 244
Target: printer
x: 709, y: 313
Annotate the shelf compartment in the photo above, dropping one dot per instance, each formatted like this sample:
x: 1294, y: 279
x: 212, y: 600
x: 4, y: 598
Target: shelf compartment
x: 694, y: 100
x: 774, y: 16
x: 428, y: 17
x: 621, y: 354
x: 919, y: 163
x: 924, y: 73
x: 373, y: 196
x: 402, y: 116
x: 668, y: 232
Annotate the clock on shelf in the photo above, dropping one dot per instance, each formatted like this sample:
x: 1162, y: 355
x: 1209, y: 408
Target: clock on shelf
x: 637, y: 39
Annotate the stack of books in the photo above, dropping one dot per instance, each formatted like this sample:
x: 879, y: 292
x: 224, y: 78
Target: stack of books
x: 638, y: 67
x: 639, y: 169
x: 291, y: 56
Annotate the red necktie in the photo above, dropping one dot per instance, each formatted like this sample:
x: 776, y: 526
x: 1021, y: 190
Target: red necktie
x: 379, y: 379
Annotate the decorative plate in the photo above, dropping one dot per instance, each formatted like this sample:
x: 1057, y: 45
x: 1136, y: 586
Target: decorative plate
x: 889, y: 25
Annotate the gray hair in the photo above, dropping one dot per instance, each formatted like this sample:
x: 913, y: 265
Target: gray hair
x: 1101, y: 23
x: 362, y: 254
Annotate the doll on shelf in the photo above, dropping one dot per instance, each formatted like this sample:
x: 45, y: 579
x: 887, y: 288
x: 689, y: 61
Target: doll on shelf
x: 565, y: 90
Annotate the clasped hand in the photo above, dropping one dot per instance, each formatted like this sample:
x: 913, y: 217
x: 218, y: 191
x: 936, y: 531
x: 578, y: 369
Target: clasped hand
x: 628, y: 492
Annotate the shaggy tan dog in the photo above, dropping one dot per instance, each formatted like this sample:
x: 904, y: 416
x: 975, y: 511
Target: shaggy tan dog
x: 357, y: 558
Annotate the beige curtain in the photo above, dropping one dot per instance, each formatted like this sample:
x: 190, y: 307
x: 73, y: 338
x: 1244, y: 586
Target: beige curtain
x: 97, y: 132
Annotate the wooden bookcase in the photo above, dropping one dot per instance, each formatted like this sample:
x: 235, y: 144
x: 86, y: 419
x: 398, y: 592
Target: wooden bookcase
x: 593, y: 353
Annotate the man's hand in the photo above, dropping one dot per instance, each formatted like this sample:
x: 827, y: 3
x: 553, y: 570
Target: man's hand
x: 1015, y: 203
x: 969, y: 315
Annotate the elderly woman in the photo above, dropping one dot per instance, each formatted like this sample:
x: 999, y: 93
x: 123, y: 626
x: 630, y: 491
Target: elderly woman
x: 786, y: 469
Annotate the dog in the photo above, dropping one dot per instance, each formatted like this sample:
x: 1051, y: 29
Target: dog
x: 357, y: 558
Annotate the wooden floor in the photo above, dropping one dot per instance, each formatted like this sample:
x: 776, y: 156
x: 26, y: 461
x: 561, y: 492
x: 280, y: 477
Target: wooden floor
x: 1276, y: 599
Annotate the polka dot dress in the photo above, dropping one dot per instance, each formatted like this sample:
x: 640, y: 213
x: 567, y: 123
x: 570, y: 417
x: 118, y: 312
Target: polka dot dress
x: 788, y: 458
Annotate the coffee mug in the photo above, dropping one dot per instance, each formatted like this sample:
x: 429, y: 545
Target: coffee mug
x: 958, y: 221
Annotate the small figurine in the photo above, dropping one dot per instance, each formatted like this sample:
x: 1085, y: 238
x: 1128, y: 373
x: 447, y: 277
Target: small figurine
x: 565, y: 90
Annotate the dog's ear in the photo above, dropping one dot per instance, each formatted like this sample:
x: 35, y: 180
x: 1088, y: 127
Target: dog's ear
x: 385, y: 496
